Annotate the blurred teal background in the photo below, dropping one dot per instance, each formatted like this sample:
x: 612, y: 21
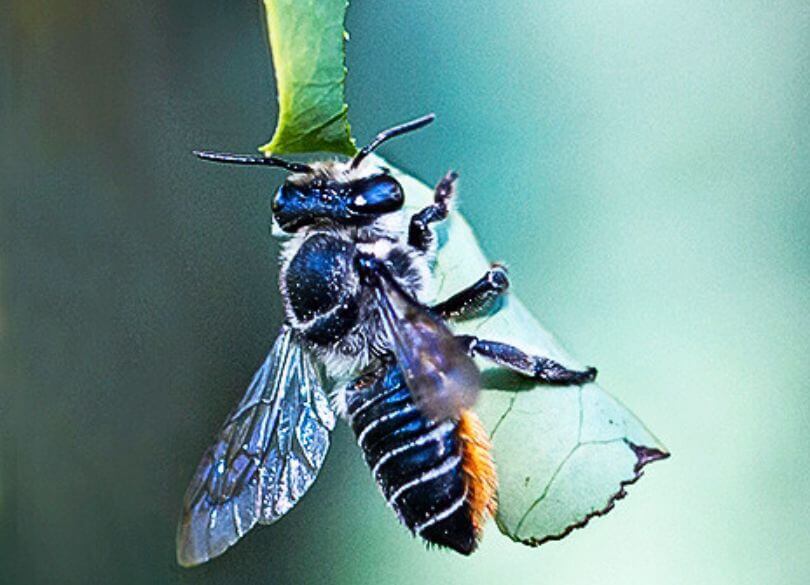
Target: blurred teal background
x: 642, y: 166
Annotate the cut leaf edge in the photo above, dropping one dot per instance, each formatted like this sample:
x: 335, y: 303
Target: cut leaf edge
x: 644, y: 456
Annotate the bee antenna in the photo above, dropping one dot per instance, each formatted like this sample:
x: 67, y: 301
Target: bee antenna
x: 244, y: 159
x: 391, y: 133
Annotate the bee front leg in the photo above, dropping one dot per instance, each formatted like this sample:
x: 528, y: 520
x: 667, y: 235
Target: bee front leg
x: 535, y: 367
x: 476, y: 298
x: 419, y: 234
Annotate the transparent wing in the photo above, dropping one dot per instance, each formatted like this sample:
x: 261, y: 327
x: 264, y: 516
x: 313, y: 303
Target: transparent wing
x: 264, y: 459
x: 441, y: 377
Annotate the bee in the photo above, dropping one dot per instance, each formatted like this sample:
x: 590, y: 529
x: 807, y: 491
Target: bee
x: 355, y: 280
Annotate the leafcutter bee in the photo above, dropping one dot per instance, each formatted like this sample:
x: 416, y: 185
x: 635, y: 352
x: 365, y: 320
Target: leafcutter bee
x: 355, y: 281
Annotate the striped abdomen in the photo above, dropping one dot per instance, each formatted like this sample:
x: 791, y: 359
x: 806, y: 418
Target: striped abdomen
x: 425, y: 469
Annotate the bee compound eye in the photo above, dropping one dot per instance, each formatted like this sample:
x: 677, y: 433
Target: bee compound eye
x: 379, y: 194
x: 285, y: 196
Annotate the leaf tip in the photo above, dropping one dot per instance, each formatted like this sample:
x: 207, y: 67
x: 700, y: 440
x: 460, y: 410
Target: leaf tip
x: 646, y: 455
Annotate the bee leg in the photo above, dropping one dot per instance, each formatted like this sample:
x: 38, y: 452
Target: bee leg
x: 419, y: 234
x: 535, y: 367
x: 477, y: 298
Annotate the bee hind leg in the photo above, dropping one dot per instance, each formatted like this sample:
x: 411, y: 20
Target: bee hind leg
x: 538, y: 368
x: 419, y: 234
x: 476, y: 299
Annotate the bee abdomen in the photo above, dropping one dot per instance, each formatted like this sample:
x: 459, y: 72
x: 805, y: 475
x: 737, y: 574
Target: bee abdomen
x: 416, y: 462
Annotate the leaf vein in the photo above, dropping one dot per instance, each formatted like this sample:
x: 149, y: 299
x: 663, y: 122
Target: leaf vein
x: 557, y: 472
x: 503, y: 416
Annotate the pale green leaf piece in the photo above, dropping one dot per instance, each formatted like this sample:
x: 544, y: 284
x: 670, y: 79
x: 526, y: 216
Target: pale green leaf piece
x: 307, y: 39
x: 563, y: 454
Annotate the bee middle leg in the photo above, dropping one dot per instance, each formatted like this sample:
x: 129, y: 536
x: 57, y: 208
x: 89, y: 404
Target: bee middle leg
x: 477, y: 298
x: 419, y: 234
x: 536, y: 367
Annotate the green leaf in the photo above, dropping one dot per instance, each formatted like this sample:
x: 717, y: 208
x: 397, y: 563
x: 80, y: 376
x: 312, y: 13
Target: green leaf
x: 307, y: 40
x: 564, y: 454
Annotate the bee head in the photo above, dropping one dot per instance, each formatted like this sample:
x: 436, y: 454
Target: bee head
x: 337, y: 194
x: 340, y: 192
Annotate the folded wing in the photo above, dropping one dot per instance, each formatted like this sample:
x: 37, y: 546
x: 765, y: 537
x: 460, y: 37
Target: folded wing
x: 442, y: 378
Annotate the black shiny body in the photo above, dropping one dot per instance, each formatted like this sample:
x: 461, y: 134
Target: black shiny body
x: 320, y: 288
x: 415, y: 461
x: 325, y: 299
x: 354, y: 274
